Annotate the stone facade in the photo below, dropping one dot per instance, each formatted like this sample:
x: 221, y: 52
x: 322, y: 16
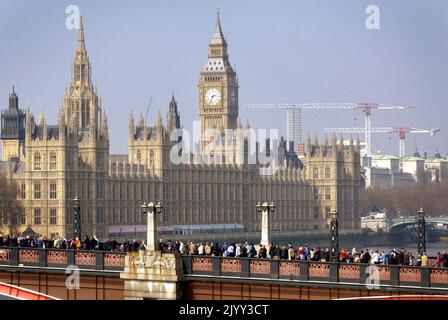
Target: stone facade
x: 72, y: 159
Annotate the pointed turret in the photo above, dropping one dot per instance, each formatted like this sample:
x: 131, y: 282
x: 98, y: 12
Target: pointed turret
x: 218, y: 58
x: 218, y: 36
x: 159, y: 125
x: 104, y: 127
x: 308, y: 144
x: 141, y: 122
x: 173, y: 118
x: 13, y: 100
x: 247, y: 124
x: 131, y: 125
x: 80, y: 91
x: 81, y: 41
x: 41, y: 118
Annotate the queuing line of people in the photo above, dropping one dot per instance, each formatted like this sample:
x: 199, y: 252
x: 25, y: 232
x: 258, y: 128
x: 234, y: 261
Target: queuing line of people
x: 305, y: 252
x: 280, y: 252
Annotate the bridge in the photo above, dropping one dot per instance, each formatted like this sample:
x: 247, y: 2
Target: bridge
x: 401, y: 222
x: 153, y: 274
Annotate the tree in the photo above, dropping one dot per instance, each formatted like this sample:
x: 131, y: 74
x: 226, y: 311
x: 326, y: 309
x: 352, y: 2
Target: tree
x: 406, y: 201
x: 10, y: 208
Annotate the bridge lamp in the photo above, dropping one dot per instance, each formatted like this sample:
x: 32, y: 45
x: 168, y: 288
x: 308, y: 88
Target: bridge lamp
x: 151, y: 209
x: 76, y: 219
x: 265, y: 208
x: 421, y: 231
x: 334, y: 235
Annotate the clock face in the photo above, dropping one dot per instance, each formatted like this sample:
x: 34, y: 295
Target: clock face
x: 233, y: 96
x: 213, y: 96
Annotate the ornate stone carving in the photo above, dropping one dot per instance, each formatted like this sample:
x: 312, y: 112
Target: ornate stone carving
x: 202, y: 264
x: 85, y: 258
x: 28, y: 256
x: 149, y: 260
x: 231, y: 265
x: 57, y: 257
x: 319, y: 270
x: 259, y: 266
x: 439, y: 276
x: 289, y: 268
x: 349, y: 271
x: 410, y: 274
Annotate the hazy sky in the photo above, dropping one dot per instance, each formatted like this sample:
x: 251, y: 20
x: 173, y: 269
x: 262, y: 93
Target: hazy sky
x: 284, y: 51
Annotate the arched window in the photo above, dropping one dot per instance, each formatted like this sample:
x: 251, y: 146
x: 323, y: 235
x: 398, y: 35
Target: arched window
x: 139, y: 155
x: 315, y: 173
x: 327, y: 172
x: 151, y: 159
x: 53, y: 161
x: 37, y: 161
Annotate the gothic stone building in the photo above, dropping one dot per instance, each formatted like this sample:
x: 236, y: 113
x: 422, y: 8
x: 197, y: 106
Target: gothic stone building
x: 52, y: 164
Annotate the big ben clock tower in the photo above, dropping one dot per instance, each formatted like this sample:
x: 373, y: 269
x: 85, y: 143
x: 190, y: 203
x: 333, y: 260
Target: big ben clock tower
x: 218, y: 87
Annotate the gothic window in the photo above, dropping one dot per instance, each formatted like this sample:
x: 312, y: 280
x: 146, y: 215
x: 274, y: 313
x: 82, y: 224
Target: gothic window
x: 77, y: 73
x: 83, y: 72
x: 139, y: 155
x: 99, y: 190
x: 327, y: 172
x: 99, y: 217
x: 23, y: 218
x: 315, y: 173
x: 53, y: 190
x: 37, y: 161
x: 68, y: 190
x: 151, y: 159
x: 37, y: 216
x: 83, y: 114
x: 316, y: 193
x: 22, y: 190
x: 37, y: 190
x: 53, y: 161
x: 327, y: 193
x: 53, y: 216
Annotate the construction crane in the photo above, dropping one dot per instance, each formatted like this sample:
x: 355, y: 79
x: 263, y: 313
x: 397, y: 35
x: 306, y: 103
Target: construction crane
x: 294, y: 115
x: 401, y: 132
x: 147, y: 109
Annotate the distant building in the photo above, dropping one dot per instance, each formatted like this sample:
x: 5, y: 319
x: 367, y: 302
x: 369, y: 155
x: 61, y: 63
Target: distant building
x: 387, y: 171
x: 54, y: 163
x: 436, y: 169
x: 375, y: 222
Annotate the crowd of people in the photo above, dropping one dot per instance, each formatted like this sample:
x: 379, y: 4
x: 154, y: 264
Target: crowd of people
x: 89, y: 243
x: 280, y: 252
x: 305, y: 252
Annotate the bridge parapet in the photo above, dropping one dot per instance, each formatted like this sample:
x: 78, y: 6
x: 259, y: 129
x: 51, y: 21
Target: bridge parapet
x: 166, y: 267
x: 331, y: 272
x: 54, y: 258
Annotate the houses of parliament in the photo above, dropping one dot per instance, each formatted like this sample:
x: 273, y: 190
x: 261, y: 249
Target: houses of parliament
x: 53, y: 164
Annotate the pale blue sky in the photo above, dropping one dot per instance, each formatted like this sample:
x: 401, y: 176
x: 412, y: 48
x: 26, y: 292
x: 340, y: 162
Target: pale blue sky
x: 284, y: 51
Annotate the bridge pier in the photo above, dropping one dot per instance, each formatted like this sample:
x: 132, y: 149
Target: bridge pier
x: 150, y: 274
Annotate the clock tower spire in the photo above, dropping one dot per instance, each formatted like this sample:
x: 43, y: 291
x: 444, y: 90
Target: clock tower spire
x: 218, y: 87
